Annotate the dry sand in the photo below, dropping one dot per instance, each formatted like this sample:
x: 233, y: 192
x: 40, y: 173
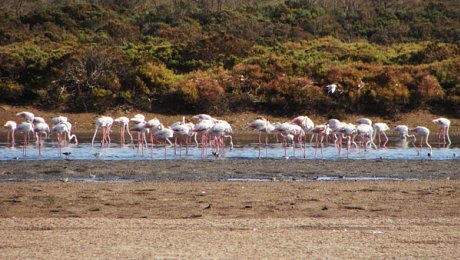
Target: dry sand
x: 180, y: 209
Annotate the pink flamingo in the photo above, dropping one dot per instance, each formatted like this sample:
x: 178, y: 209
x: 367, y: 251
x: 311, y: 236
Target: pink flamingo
x: 444, y: 123
x: 363, y: 120
x: 319, y: 132
x: 306, y: 123
x: 41, y: 129
x: 152, y: 124
x: 260, y: 124
x: 165, y: 133
x: 403, y: 131
x: 202, y: 128
x: 220, y: 130
x: 286, y: 129
x: 182, y: 129
x: 58, y: 120
x: 123, y: 121
x: 335, y: 125
x: 201, y: 117
x: 141, y: 129
x: 25, y: 128
x: 349, y: 131
x: 59, y: 130
x: 11, y: 125
x: 380, y: 129
x: 366, y: 132
x: 424, y: 133
x: 139, y: 119
x: 28, y: 116
x: 105, y: 122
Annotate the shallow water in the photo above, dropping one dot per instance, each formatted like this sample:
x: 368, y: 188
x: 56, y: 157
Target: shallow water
x: 244, y: 148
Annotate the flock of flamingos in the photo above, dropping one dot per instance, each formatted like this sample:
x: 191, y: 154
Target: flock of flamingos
x: 212, y: 133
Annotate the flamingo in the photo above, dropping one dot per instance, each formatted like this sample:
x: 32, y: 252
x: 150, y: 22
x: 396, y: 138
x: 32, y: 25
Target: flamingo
x: 141, y: 129
x: 364, y: 120
x: 106, y: 123
x: 366, y: 131
x: 286, y: 129
x: 123, y: 121
x: 335, y: 125
x: 219, y: 131
x: 424, y: 133
x: 201, y: 117
x: 165, y: 133
x: 305, y: 122
x: 260, y: 124
x: 380, y: 129
x: 319, y: 131
x: 403, y: 131
x: 152, y: 124
x: 58, y: 120
x: 38, y: 119
x: 40, y: 129
x: 183, y: 129
x: 60, y: 130
x: 69, y: 134
x: 444, y: 123
x: 138, y: 118
x: 11, y: 125
x: 28, y: 116
x: 203, y: 127
x: 26, y: 128
x: 349, y: 131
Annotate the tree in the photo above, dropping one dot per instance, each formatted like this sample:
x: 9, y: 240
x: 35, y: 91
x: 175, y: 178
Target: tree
x: 86, y: 78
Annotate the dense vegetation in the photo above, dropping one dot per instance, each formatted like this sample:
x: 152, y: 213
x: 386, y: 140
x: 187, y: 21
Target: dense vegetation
x: 218, y: 56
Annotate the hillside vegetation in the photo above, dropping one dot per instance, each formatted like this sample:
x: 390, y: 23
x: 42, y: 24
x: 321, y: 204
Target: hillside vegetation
x: 217, y: 56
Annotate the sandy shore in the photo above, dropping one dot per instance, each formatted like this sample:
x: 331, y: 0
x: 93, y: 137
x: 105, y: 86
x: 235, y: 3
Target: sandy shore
x: 187, y: 209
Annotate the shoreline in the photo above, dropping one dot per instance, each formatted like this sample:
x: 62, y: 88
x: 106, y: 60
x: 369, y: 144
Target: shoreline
x: 225, y: 169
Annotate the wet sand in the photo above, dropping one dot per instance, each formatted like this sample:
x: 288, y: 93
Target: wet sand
x: 189, y: 209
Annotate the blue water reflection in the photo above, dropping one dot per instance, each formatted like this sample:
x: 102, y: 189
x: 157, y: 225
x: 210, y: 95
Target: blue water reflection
x: 244, y: 148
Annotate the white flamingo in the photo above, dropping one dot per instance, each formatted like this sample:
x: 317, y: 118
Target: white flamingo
x: 183, y: 130
x: 286, y: 129
x: 403, y: 131
x: 364, y: 120
x: 202, y: 128
x: 221, y: 130
x: 28, y: 116
x: 165, y: 133
x: 261, y: 125
x: 105, y: 122
x: 123, y: 121
x: 381, y: 129
x: 41, y: 129
x: 141, y: 129
x: 366, y: 132
x: 26, y: 128
x: 11, y: 125
x: 444, y: 123
x: 305, y: 122
x: 319, y: 132
x: 424, y: 133
x: 349, y: 131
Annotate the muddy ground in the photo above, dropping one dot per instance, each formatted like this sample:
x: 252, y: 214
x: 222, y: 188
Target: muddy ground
x: 190, y: 209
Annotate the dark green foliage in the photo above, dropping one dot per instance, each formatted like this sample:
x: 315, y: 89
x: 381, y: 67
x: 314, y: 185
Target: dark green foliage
x: 221, y: 56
